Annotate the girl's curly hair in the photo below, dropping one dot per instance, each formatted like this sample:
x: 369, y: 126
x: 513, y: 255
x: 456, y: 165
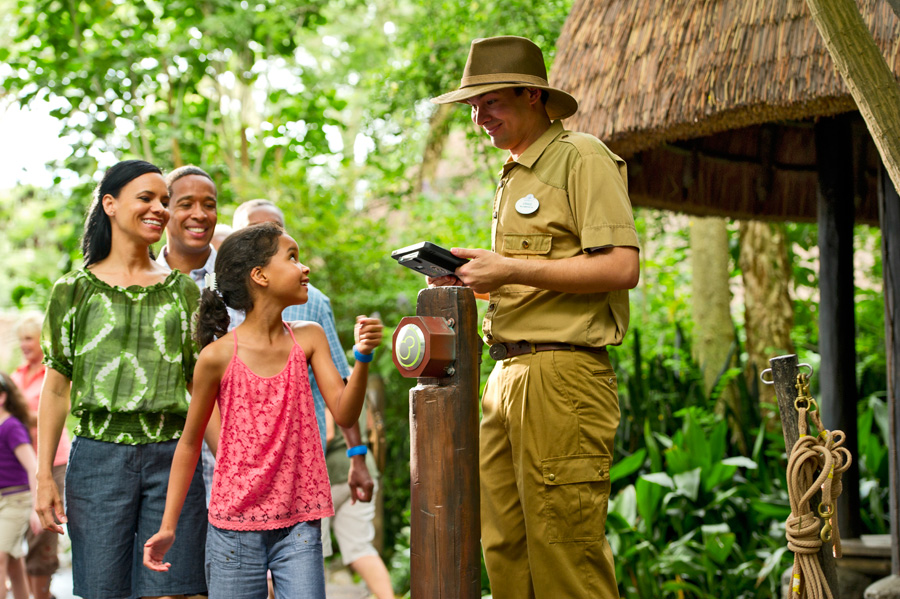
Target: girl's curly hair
x: 239, y: 254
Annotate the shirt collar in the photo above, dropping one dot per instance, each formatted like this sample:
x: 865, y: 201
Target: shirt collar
x: 209, y: 266
x: 197, y: 274
x: 534, y: 151
x: 22, y: 371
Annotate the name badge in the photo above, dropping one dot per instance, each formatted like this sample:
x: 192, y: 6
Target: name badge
x: 527, y: 205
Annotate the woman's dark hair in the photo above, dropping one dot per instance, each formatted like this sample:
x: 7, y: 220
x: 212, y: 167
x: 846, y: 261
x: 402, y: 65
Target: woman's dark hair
x: 97, y: 241
x: 15, y: 401
x: 239, y: 254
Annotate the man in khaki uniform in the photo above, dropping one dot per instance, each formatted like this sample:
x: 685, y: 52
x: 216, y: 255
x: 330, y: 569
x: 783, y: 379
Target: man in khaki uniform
x: 564, y: 252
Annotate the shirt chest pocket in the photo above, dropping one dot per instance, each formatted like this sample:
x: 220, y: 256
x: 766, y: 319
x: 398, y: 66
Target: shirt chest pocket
x: 531, y: 244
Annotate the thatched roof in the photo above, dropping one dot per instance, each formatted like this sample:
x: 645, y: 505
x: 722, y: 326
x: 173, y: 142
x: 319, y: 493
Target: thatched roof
x: 762, y: 172
x: 687, y: 90
x: 646, y: 72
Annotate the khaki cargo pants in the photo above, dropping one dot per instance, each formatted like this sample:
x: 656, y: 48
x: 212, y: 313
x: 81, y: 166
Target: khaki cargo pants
x: 549, y: 421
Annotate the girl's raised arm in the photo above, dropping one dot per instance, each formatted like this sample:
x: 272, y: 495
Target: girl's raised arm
x: 52, y: 411
x: 345, y: 403
x: 207, y: 375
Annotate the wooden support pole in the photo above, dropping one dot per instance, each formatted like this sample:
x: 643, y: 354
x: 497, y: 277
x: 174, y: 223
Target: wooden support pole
x: 784, y: 376
x: 837, y: 323
x: 445, y: 551
x: 889, y: 216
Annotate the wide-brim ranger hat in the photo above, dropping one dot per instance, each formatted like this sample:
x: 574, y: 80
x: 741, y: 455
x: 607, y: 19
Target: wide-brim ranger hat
x: 508, y: 61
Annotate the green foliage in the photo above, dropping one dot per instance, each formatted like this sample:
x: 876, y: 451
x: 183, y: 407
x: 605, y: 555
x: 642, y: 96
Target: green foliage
x: 400, y: 564
x: 691, y: 513
x: 41, y: 232
x: 158, y: 69
x: 874, y: 440
x: 684, y: 519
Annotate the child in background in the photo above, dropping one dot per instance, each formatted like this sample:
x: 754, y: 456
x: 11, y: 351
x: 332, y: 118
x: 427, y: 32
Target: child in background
x: 270, y: 487
x: 17, y: 485
x: 41, y: 561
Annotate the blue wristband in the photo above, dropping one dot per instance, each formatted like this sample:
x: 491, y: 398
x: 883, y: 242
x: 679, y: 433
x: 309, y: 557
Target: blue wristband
x: 358, y: 450
x: 364, y: 358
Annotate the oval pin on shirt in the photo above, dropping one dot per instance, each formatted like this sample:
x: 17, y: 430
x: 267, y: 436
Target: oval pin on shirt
x: 527, y: 205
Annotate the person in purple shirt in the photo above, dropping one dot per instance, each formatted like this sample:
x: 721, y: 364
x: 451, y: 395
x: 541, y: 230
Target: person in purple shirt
x: 17, y: 486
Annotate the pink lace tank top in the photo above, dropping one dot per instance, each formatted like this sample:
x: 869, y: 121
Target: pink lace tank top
x: 270, y: 467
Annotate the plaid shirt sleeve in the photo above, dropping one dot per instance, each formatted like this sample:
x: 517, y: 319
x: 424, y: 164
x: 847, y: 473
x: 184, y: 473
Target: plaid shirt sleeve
x: 325, y: 317
x: 318, y: 309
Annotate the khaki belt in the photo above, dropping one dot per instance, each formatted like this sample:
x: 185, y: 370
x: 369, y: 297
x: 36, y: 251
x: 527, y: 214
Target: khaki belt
x: 501, y: 351
x: 13, y: 490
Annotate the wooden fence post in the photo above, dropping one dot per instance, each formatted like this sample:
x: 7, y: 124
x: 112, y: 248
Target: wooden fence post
x: 784, y: 377
x: 889, y: 217
x: 445, y: 550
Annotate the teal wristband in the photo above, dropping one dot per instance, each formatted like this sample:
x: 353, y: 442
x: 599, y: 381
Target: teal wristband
x: 358, y: 450
x: 360, y: 357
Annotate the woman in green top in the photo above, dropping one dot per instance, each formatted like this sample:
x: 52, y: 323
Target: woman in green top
x: 118, y: 348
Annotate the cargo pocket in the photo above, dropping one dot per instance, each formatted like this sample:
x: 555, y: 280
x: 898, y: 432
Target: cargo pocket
x: 576, y: 491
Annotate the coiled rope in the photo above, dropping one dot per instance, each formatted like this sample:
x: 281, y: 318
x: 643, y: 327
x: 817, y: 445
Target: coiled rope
x: 815, y: 464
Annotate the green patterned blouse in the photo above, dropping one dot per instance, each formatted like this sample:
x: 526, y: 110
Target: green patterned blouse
x: 127, y: 351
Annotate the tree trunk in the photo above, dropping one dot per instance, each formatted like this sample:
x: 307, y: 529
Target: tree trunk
x: 174, y: 112
x: 714, y: 338
x: 769, y: 314
x: 867, y: 75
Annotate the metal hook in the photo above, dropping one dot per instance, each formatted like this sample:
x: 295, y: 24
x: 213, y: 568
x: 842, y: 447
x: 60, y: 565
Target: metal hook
x: 771, y: 381
x: 826, y: 512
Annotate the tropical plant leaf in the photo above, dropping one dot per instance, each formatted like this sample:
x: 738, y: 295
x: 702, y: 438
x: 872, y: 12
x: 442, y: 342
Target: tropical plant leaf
x: 688, y: 483
x: 627, y: 466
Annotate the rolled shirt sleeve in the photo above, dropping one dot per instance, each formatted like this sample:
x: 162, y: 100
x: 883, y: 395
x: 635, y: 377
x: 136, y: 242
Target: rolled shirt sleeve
x: 598, y: 196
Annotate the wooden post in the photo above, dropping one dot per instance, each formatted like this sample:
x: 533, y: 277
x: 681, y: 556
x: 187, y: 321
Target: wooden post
x: 837, y: 334
x: 784, y: 376
x: 889, y: 217
x: 445, y: 551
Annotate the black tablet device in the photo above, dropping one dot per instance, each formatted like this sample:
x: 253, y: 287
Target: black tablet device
x: 428, y: 259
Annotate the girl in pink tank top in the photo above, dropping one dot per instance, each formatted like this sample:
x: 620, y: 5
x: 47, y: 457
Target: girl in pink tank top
x: 270, y: 487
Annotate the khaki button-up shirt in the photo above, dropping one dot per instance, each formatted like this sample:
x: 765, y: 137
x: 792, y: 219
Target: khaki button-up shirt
x: 581, y: 194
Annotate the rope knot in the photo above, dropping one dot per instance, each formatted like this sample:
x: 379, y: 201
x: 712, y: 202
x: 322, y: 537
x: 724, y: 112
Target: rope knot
x: 802, y: 533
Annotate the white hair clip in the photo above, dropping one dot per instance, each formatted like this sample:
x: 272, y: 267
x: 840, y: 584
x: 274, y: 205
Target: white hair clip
x: 210, y: 281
